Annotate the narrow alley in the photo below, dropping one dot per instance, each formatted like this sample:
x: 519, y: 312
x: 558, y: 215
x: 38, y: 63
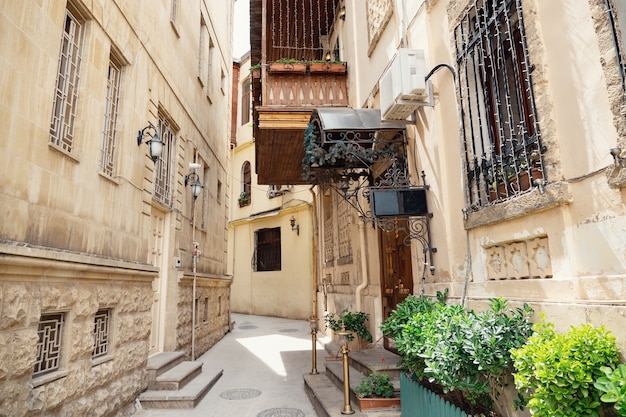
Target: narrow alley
x: 263, y: 359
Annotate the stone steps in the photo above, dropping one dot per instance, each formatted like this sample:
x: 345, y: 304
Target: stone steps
x: 325, y: 390
x: 176, y: 383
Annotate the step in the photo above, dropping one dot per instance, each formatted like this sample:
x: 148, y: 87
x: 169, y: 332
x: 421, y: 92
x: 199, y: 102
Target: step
x: 187, y: 397
x: 376, y: 359
x: 162, y: 362
x: 178, y: 376
x: 327, y: 400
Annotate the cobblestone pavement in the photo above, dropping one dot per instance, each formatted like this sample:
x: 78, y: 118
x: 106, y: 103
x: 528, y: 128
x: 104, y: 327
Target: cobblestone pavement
x: 263, y: 359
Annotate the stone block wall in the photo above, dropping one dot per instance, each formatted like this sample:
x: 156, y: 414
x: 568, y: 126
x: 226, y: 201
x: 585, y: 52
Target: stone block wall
x: 106, y: 386
x: 212, y: 314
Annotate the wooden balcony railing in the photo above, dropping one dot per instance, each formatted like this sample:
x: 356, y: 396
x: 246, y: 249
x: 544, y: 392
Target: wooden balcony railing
x: 306, y: 90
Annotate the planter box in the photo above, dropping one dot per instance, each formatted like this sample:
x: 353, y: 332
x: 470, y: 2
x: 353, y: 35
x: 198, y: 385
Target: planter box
x: 335, y: 68
x: 418, y: 401
x: 299, y: 67
x: 372, y: 404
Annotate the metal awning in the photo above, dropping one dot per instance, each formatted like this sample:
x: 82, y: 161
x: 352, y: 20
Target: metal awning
x: 347, y: 119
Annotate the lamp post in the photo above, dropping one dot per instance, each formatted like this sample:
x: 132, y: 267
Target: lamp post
x: 193, y: 181
x: 313, y: 323
x: 343, y: 341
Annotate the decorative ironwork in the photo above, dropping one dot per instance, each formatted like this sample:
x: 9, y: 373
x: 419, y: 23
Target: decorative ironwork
x: 101, y: 333
x: 50, y: 343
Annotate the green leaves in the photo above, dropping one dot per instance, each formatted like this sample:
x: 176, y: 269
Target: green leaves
x: 353, y: 322
x: 375, y: 385
x: 613, y: 387
x: 558, y: 371
x: 458, y: 349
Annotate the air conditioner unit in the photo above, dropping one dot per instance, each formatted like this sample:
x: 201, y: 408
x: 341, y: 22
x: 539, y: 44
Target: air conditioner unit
x: 403, y: 86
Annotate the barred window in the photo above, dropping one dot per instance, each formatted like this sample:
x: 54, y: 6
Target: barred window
x: 163, y: 168
x: 50, y: 343
x: 109, y: 130
x: 66, y: 91
x: 501, y: 141
x: 102, y: 322
x: 267, y: 249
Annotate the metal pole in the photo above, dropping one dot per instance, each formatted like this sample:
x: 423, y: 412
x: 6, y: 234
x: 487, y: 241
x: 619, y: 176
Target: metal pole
x: 347, y: 408
x: 313, y: 323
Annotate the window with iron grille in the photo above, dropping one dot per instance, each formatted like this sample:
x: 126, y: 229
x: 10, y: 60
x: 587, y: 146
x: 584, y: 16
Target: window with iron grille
x: 50, y: 343
x: 109, y: 131
x: 102, y: 321
x: 267, y: 249
x: 66, y: 91
x: 246, y: 184
x: 163, y: 168
x: 500, y: 133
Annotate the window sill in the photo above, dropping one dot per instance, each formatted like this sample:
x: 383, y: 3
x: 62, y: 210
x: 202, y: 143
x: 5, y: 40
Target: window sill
x: 556, y: 194
x: 47, y: 378
x: 102, y: 359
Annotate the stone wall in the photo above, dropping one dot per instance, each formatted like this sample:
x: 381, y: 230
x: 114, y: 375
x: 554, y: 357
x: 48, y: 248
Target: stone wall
x: 212, y: 314
x: 82, y: 386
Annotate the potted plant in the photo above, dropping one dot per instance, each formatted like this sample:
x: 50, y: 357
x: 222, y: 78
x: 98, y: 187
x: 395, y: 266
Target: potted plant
x: 375, y: 391
x: 244, y: 199
x: 336, y: 67
x: 352, y: 322
x: 255, y: 71
x: 288, y: 65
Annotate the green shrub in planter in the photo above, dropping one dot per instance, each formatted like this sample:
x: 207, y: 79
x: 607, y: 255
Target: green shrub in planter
x: 557, y: 371
x: 375, y: 385
x: 612, y: 386
x: 459, y: 349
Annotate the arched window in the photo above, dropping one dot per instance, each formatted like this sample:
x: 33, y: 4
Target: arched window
x: 246, y: 178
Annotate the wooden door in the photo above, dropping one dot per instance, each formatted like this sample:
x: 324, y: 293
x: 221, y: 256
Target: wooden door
x: 397, y: 271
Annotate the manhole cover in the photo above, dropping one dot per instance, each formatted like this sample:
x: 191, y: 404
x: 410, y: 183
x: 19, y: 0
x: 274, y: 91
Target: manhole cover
x: 248, y: 327
x: 240, y: 394
x: 281, y: 412
x: 288, y: 330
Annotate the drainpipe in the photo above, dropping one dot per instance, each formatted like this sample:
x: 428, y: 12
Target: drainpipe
x: 364, y: 269
x: 315, y: 252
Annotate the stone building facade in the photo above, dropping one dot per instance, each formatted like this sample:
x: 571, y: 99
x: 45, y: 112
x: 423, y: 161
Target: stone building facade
x: 555, y: 242
x: 105, y: 256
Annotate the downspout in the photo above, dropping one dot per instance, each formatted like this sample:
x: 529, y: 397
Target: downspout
x: 315, y: 252
x: 364, y: 269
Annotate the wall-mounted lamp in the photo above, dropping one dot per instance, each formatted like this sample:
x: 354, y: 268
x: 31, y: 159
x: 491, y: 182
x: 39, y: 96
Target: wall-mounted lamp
x: 618, y: 159
x: 193, y: 180
x: 155, y: 145
x: 342, y: 13
x: 294, y: 226
x: 328, y: 56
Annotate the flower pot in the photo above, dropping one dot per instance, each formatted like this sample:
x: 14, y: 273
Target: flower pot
x: 299, y: 67
x: 515, y: 186
x: 330, y: 67
x: 370, y: 404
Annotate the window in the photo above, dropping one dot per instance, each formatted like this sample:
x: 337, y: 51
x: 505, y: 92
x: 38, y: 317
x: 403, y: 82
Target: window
x: 245, y: 101
x: 66, y: 92
x: 50, y: 343
x: 203, y: 53
x: 205, y: 317
x: 209, y: 66
x: 163, y: 168
x: 223, y: 82
x: 246, y: 182
x: 174, y: 11
x: 107, y: 151
x: 267, y: 249
x: 101, y: 333
x: 501, y: 141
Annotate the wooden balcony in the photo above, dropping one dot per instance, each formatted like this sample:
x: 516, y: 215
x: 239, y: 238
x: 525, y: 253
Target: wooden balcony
x: 282, y: 115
